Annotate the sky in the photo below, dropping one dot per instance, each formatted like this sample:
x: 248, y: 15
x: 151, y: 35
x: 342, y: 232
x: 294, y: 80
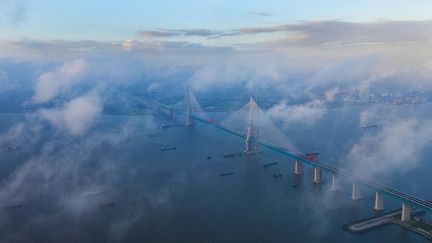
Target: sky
x: 207, y: 44
x: 110, y: 20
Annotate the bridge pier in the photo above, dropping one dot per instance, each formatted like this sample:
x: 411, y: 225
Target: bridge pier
x: 298, y: 167
x: 406, y: 212
x: 334, y: 183
x: 379, y: 201
x: 316, y: 175
x: 355, y: 192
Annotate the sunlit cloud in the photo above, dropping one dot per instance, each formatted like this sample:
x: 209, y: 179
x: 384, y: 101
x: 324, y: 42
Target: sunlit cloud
x: 52, y: 83
x: 324, y: 33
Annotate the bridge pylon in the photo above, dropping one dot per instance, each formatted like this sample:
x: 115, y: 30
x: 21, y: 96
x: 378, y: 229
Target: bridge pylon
x: 252, y: 128
x: 189, y: 122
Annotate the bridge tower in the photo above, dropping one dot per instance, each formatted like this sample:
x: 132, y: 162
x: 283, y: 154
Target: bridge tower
x: 189, y: 121
x: 252, y: 128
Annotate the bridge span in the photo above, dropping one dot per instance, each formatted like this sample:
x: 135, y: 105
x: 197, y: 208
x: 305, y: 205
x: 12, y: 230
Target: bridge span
x: 407, y: 200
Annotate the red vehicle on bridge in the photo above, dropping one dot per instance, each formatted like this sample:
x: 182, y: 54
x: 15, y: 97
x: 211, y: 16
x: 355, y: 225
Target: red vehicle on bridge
x: 312, y: 157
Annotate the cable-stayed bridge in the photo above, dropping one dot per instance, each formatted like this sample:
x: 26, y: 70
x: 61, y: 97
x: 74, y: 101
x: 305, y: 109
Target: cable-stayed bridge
x: 253, y: 142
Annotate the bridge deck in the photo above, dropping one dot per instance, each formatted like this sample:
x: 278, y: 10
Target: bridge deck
x: 407, y: 198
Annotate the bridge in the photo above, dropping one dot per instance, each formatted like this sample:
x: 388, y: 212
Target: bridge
x: 251, y: 147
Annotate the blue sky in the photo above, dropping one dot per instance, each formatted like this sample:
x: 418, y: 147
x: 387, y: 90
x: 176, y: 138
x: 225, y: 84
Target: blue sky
x: 106, y: 20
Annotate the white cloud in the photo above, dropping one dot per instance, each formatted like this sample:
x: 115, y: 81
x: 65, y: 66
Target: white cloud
x: 331, y: 94
x: 369, y: 117
x: 153, y: 86
x: 76, y: 116
x: 13, y: 134
x: 397, y: 147
x: 307, y: 113
x: 52, y: 83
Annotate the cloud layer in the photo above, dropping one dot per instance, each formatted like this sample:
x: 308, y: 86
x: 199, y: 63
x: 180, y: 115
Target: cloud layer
x: 76, y: 116
x: 52, y: 83
x: 398, y: 147
x: 327, y: 33
x: 290, y: 115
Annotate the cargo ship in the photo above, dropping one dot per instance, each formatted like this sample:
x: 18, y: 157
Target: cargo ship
x: 227, y: 174
x: 167, y: 148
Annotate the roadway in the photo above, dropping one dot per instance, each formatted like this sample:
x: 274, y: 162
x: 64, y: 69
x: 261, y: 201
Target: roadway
x: 414, y: 201
x: 407, y: 198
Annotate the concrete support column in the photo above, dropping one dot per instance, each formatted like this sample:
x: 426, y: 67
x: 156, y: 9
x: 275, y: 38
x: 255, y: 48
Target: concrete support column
x: 334, y: 183
x: 298, y: 168
x: 379, y: 201
x: 355, y: 191
x: 406, y: 212
x: 316, y: 175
